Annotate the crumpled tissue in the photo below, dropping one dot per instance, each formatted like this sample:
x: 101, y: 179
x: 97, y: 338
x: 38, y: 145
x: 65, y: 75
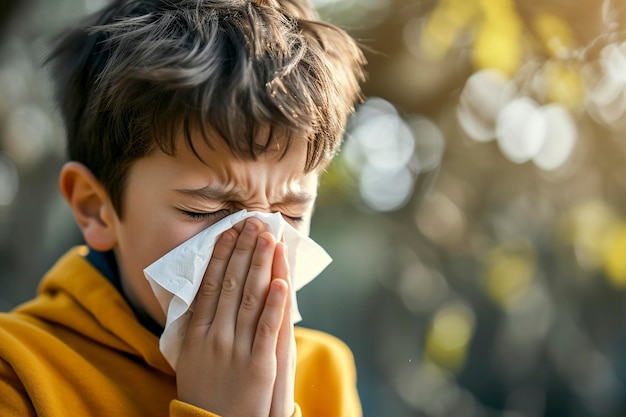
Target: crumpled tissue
x: 175, y: 278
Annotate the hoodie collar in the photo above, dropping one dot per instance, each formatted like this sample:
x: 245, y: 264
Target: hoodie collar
x: 106, y: 264
x: 77, y: 295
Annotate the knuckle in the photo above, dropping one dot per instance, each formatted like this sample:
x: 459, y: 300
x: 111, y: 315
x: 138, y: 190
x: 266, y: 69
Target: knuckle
x: 241, y: 251
x: 224, y: 247
x: 209, y: 288
x: 266, y: 328
x: 194, y: 336
x: 249, y: 301
x: 220, y: 342
x: 221, y: 253
x: 229, y: 285
x: 260, y: 370
x: 257, y: 263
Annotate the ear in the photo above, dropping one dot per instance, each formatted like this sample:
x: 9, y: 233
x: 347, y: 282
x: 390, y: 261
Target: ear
x: 90, y: 204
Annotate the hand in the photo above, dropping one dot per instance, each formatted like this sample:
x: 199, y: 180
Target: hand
x: 228, y: 363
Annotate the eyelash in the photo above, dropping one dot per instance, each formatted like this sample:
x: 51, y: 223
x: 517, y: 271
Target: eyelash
x: 220, y: 214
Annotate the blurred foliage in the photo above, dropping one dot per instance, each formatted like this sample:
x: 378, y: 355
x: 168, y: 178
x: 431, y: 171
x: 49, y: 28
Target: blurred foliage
x: 505, y: 267
x: 477, y: 213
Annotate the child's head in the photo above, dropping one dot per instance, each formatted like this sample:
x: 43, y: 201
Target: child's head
x: 181, y: 112
x: 255, y: 74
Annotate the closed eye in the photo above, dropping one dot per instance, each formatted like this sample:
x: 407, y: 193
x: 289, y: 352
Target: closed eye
x: 220, y: 214
x: 215, y: 215
x: 294, y: 219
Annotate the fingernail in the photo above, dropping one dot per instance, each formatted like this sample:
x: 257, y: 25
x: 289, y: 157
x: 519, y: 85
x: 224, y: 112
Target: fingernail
x: 228, y: 236
x: 251, y: 226
x: 262, y: 241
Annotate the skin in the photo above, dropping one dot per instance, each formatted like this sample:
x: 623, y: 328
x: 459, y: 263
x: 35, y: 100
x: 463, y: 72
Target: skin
x: 238, y: 357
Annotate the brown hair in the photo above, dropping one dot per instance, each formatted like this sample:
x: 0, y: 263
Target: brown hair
x: 139, y: 72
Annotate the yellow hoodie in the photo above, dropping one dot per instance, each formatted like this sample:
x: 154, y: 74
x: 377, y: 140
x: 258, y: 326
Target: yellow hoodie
x: 78, y: 349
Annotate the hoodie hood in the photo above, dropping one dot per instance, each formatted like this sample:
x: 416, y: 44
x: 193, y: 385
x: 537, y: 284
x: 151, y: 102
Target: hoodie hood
x: 98, y: 311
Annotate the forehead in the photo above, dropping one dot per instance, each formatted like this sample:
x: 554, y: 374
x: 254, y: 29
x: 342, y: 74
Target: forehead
x: 278, y: 163
x: 271, y: 145
x: 198, y: 166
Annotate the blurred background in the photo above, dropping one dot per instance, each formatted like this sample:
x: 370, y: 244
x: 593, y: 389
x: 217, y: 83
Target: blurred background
x: 476, y: 215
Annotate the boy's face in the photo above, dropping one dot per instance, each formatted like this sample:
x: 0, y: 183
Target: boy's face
x: 168, y: 199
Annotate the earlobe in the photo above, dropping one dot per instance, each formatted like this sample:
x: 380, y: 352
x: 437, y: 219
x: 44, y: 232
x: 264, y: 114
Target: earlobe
x: 90, y: 205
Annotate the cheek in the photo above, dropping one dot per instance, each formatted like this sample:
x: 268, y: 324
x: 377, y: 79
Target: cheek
x: 148, y: 238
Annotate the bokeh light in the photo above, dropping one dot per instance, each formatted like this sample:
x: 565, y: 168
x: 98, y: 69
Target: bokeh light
x: 440, y: 220
x: 449, y: 335
x: 510, y: 273
x: 385, y: 190
x: 429, y: 145
x: 27, y: 136
x: 521, y: 129
x: 484, y: 95
x: 560, y: 138
x: 387, y: 153
x: 9, y: 181
x: 614, y: 255
x: 422, y: 288
x: 607, y: 80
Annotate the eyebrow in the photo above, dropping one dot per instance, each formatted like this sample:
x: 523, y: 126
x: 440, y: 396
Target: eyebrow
x: 219, y: 194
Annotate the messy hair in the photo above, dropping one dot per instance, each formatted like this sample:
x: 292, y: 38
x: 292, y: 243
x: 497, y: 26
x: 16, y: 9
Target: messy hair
x: 136, y: 75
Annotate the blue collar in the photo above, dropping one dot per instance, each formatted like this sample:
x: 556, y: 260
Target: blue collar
x: 106, y: 264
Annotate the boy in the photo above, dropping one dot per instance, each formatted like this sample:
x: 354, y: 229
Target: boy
x: 179, y: 113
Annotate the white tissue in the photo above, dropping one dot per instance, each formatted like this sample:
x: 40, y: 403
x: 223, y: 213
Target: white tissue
x: 175, y: 278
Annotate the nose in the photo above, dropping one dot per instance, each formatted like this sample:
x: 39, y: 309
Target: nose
x: 260, y: 207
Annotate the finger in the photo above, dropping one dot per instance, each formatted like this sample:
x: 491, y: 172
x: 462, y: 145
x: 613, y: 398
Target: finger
x: 282, y: 399
x: 286, y: 343
x: 239, y: 226
x: 235, y: 277
x: 280, y: 270
x: 266, y: 337
x: 280, y: 265
x: 255, y: 292
x: 284, y: 386
x: 206, y: 301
